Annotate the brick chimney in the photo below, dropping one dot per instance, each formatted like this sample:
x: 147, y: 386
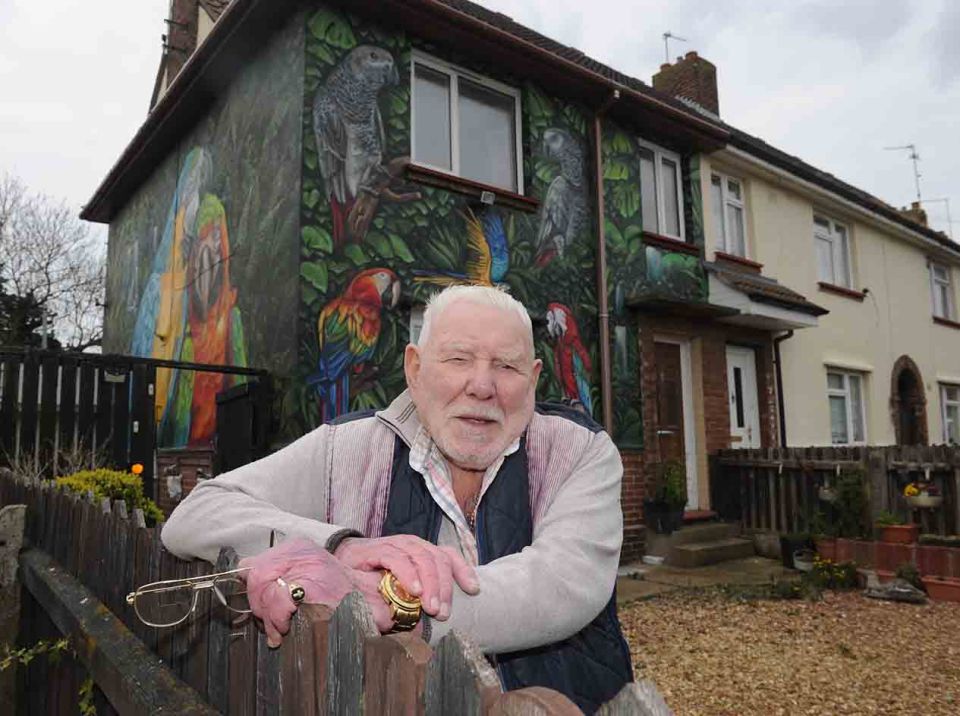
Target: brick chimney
x: 181, y: 35
x: 915, y: 213
x: 691, y: 77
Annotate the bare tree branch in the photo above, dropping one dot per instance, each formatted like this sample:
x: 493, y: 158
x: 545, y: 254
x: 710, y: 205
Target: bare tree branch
x: 47, y: 252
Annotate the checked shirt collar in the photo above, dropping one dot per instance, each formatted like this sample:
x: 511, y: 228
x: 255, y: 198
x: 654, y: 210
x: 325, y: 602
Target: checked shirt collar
x: 426, y: 459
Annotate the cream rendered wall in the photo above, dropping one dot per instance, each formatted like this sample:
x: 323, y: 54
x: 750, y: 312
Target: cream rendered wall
x: 894, y: 319
x: 204, y: 25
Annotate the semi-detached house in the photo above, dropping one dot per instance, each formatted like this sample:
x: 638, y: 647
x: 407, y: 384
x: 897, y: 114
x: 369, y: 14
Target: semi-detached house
x: 314, y: 170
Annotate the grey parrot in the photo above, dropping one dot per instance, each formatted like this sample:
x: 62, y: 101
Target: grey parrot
x: 349, y: 133
x: 564, y: 210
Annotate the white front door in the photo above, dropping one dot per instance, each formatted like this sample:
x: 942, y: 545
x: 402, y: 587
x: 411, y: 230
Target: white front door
x: 742, y: 389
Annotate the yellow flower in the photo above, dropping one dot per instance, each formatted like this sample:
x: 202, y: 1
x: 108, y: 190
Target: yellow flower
x: 911, y: 490
x: 137, y: 468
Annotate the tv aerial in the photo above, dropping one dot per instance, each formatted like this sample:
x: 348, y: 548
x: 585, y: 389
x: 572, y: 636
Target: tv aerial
x: 667, y: 36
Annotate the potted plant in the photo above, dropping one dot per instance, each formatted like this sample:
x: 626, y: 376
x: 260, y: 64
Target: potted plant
x: 803, y: 559
x: 792, y: 544
x: 922, y: 495
x: 664, y: 513
x: 824, y: 534
x: 894, y: 530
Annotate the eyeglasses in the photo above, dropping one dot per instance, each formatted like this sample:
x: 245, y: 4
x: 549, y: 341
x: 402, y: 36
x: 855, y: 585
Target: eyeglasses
x: 168, y: 603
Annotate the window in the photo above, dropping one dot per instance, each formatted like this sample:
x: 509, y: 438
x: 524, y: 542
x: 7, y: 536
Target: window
x: 465, y: 124
x: 726, y: 196
x: 833, y: 252
x: 950, y: 404
x: 941, y: 291
x: 661, y: 198
x: 845, y: 393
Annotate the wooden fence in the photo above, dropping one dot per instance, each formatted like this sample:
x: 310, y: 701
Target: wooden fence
x: 84, y: 557
x: 778, y: 489
x: 55, y: 404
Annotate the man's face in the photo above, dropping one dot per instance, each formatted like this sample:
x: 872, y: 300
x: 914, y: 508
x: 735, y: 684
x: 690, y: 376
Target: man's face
x: 474, y: 382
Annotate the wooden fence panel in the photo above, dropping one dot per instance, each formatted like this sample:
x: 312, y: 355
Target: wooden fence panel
x: 396, y: 675
x: 535, y: 701
x: 30, y: 370
x: 459, y: 679
x: 47, y: 424
x: 86, y: 415
x: 351, y: 626
x: 67, y: 410
x: 8, y: 406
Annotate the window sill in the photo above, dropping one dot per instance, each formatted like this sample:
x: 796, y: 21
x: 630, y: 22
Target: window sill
x: 841, y: 291
x: 670, y: 244
x: 723, y: 256
x: 946, y: 322
x: 470, y: 188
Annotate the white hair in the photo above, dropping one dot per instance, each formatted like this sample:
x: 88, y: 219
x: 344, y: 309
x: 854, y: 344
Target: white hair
x: 481, y: 295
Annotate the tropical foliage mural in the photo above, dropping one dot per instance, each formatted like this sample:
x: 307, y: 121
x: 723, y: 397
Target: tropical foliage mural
x: 373, y: 246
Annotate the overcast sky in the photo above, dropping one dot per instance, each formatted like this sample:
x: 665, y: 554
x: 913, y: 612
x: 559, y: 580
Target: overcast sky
x: 830, y: 81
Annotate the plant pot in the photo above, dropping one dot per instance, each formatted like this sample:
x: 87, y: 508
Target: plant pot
x: 942, y: 589
x: 900, y: 534
x: 826, y: 547
x: 661, y: 517
x: 803, y: 560
x: 827, y: 494
x: 919, y: 502
x: 791, y: 544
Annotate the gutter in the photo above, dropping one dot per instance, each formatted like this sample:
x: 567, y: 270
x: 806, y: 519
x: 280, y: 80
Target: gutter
x: 606, y: 368
x: 781, y: 410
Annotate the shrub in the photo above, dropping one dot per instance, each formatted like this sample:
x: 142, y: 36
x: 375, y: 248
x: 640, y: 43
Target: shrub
x: 827, y: 574
x: 115, y: 485
x: 887, y: 519
x: 672, y: 487
x: 851, y: 505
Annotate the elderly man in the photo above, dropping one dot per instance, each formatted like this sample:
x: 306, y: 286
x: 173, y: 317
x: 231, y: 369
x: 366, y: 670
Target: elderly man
x: 500, y: 517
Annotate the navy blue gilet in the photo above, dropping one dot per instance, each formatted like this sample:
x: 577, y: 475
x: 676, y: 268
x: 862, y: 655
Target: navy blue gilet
x: 589, y: 667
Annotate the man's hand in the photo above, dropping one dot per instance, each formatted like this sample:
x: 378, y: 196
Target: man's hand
x: 423, y: 569
x: 324, y: 578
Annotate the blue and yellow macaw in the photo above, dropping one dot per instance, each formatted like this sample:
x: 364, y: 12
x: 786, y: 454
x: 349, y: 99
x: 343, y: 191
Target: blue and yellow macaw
x: 162, y: 314
x: 347, y: 332
x: 488, y: 256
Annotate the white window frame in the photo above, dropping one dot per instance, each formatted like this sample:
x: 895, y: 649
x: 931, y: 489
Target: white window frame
x: 833, y: 236
x: 726, y: 199
x: 948, y: 311
x: 846, y: 394
x: 454, y: 72
x: 659, y: 153
x: 946, y: 403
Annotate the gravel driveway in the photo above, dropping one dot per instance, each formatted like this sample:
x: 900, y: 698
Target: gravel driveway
x: 713, y: 654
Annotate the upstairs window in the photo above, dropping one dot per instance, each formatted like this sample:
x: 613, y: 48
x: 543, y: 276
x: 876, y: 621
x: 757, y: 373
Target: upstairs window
x: 950, y: 402
x: 941, y: 291
x: 845, y: 394
x: 661, y: 198
x: 465, y: 124
x: 833, y: 252
x: 726, y: 196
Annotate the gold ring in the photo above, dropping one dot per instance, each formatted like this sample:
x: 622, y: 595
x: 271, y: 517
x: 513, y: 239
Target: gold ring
x: 297, y: 593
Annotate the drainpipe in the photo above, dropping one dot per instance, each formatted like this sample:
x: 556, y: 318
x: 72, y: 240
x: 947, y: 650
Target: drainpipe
x: 606, y: 383
x: 780, y: 409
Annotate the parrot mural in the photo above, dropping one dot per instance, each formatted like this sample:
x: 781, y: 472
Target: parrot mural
x: 347, y: 332
x: 161, y: 315
x: 349, y: 134
x: 571, y: 360
x: 564, y: 209
x: 215, y: 326
x: 488, y: 256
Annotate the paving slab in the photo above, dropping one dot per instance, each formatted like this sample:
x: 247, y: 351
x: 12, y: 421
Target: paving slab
x: 652, y: 580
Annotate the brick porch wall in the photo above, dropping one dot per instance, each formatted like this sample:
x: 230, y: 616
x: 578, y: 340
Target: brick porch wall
x: 640, y: 465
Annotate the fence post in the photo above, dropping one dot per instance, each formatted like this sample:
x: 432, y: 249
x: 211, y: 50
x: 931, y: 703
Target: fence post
x: 12, y: 521
x: 534, y: 701
x: 637, y: 699
x: 878, y: 482
x: 459, y: 679
x: 351, y: 626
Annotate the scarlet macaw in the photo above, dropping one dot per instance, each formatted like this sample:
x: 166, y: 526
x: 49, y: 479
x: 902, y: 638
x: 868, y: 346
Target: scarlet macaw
x: 571, y: 360
x: 347, y: 331
x: 488, y: 256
